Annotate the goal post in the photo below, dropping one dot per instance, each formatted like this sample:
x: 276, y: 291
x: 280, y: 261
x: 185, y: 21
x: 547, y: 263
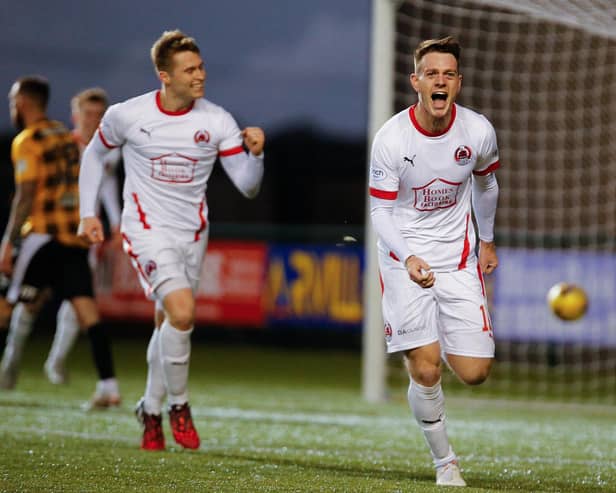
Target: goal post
x: 544, y: 73
x: 380, y: 110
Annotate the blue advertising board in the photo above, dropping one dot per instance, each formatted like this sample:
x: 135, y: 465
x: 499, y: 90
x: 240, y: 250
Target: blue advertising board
x: 314, y: 286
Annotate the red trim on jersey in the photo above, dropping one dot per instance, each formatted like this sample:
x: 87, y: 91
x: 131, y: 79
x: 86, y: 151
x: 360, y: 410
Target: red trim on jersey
x: 493, y: 167
x: 467, y: 247
x: 383, y: 194
x: 394, y: 256
x: 104, y: 141
x: 231, y: 152
x: 172, y: 113
x: 382, y: 284
x: 135, y: 257
x: 142, y: 217
x: 426, y: 132
x: 483, y: 286
x: 203, y: 221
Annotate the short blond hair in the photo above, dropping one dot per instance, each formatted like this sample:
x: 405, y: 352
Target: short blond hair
x: 443, y: 45
x: 170, y: 43
x: 92, y: 94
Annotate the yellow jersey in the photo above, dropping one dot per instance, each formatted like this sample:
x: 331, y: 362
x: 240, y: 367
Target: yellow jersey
x: 46, y: 152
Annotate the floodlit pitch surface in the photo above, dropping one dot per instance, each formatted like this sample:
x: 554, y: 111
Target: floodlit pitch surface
x: 290, y: 421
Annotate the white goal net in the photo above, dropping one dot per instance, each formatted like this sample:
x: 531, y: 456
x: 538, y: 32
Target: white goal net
x: 544, y: 73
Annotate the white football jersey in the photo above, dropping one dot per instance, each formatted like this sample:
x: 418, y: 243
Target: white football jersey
x: 168, y: 158
x: 108, y: 191
x: 428, y: 176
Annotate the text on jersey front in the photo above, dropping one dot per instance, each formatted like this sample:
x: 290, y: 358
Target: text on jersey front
x: 174, y: 168
x: 437, y: 194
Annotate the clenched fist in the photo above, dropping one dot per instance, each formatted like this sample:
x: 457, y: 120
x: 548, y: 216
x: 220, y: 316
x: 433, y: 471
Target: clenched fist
x: 254, y: 139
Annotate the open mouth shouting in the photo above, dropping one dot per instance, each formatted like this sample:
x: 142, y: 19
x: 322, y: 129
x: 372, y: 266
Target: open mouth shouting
x: 439, y: 100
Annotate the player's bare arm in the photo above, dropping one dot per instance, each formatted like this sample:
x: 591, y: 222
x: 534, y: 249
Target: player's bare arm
x: 419, y: 271
x: 254, y: 139
x: 6, y: 253
x: 20, y: 210
x: 91, y: 230
x: 488, y: 260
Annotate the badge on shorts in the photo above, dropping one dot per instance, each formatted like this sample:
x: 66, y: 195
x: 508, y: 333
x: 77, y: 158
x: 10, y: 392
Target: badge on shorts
x: 388, y: 332
x: 149, y: 267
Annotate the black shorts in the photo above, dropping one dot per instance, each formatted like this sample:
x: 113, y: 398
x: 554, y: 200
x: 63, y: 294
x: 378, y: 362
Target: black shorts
x: 64, y: 269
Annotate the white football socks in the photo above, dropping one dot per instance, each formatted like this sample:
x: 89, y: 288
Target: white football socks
x: 67, y: 330
x: 19, y: 330
x: 175, y: 356
x: 108, y: 386
x: 428, y: 406
x: 155, y: 384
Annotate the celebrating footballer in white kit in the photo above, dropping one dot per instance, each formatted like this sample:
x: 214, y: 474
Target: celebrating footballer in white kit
x: 170, y: 140
x: 431, y: 167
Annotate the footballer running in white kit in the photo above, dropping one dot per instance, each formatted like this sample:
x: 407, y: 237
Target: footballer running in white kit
x: 170, y: 140
x: 168, y: 158
x: 431, y: 168
x: 428, y: 179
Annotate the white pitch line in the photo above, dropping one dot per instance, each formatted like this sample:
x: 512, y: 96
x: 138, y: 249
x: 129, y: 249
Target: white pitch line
x: 233, y: 413
x: 350, y: 420
x: 509, y: 461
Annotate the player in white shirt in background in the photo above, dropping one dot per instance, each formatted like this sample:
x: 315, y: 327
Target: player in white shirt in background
x: 431, y: 167
x: 87, y: 110
x: 170, y: 140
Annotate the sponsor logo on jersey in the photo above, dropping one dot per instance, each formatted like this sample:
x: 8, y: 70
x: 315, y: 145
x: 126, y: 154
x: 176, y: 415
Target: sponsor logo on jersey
x: 202, y: 137
x: 174, y: 168
x: 378, y: 174
x: 463, y: 155
x: 150, y: 266
x: 388, y: 332
x: 410, y: 160
x: 438, y: 194
x: 145, y: 131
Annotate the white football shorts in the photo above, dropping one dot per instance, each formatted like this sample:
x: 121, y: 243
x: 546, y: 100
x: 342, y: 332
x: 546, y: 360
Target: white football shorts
x: 453, y: 312
x: 165, y: 261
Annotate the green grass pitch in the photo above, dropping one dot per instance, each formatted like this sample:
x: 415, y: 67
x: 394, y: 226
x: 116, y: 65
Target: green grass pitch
x: 287, y: 420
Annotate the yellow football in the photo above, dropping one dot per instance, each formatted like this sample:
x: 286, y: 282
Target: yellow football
x: 567, y: 301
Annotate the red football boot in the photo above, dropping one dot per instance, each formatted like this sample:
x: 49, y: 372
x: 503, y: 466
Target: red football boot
x: 153, y: 438
x: 182, y: 426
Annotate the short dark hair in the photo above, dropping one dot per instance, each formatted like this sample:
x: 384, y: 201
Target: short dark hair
x: 170, y: 43
x: 36, y: 88
x: 444, y: 45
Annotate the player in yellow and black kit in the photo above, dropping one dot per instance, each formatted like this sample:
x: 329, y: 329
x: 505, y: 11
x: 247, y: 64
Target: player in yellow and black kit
x: 43, y: 221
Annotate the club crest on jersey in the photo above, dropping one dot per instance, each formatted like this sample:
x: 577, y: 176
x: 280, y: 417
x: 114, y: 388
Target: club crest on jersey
x: 202, y: 137
x: 388, y: 332
x: 149, y: 267
x: 463, y: 155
